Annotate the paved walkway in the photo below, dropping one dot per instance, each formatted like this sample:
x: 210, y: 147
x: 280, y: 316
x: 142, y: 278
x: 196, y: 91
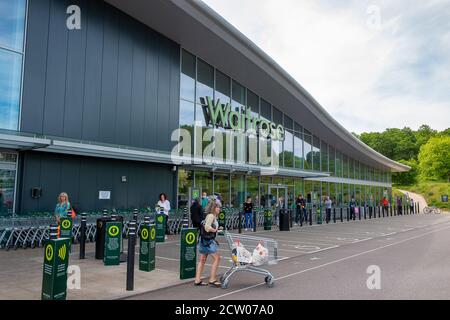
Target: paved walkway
x: 417, y: 199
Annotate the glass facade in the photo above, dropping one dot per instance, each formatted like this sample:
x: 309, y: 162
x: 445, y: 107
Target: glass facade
x: 12, y: 29
x: 301, y: 148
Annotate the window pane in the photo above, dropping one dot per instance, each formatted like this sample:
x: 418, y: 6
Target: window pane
x: 7, y: 180
x: 223, y: 88
x: 316, y: 154
x: 253, y: 189
x: 277, y: 116
x: 298, y: 150
x: 185, y: 181
x: 10, y: 75
x: 338, y: 163
x: 12, y: 24
x: 238, y: 96
x: 324, y: 152
x: 237, y: 190
x: 205, y: 80
x: 308, y: 151
x: 222, y: 188
x: 288, y: 149
x: 187, y: 81
x: 204, y: 181
x: 332, y: 160
x: 288, y: 123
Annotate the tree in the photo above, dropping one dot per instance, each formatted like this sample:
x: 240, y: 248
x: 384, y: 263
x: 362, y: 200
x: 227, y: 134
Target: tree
x: 434, y: 159
x: 409, y: 177
x: 423, y: 134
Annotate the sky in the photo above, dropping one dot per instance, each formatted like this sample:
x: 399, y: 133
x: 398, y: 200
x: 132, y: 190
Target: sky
x: 371, y: 64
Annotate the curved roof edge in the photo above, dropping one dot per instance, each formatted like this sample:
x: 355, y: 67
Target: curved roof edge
x: 271, y: 65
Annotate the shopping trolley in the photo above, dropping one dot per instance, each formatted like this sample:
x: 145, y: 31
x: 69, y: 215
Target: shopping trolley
x: 250, y: 243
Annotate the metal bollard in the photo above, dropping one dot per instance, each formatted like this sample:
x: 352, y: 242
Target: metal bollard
x: 365, y: 212
x: 310, y: 217
x: 53, y: 232
x: 105, y: 213
x: 334, y: 215
x: 254, y: 221
x: 348, y: 214
x: 147, y: 220
x: 342, y: 214
x: 240, y: 221
x: 130, y: 257
x: 113, y: 216
x: 135, y: 215
x: 83, y: 235
x: 359, y: 213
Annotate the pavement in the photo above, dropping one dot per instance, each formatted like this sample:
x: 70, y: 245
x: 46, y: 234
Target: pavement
x: 337, y: 261
x: 315, y: 262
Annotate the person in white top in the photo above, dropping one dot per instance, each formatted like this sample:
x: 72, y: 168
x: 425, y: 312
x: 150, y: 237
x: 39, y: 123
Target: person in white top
x: 165, y: 205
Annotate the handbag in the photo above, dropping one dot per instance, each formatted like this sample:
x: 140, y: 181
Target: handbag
x: 205, y: 235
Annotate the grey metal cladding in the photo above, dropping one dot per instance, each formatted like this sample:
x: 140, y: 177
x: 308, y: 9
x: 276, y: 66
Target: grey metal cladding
x: 83, y: 177
x: 114, y: 81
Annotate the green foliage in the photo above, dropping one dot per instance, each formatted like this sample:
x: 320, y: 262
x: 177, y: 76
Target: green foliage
x: 409, y: 177
x: 404, y: 145
x: 434, y: 159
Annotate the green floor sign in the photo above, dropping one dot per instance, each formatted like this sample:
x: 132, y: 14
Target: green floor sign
x: 56, y: 261
x: 267, y: 220
x: 160, y: 221
x: 188, y: 254
x: 66, y: 225
x: 147, y: 248
x: 113, y: 237
x: 319, y: 215
x: 222, y: 217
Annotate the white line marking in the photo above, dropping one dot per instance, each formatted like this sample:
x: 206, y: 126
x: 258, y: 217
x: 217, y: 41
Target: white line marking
x: 331, y: 262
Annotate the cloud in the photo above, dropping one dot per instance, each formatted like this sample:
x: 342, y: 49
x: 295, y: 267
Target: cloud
x: 371, y: 64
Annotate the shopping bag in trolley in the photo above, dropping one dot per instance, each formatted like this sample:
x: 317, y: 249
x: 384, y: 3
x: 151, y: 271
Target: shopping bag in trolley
x: 260, y: 255
x: 242, y: 255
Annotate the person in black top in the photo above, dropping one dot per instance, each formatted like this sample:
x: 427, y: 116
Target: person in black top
x: 248, y: 212
x: 196, y: 214
x: 301, y: 208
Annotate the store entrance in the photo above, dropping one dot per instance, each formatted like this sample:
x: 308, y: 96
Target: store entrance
x: 277, y: 197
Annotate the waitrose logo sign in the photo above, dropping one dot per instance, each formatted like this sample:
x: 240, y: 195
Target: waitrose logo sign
x: 219, y: 114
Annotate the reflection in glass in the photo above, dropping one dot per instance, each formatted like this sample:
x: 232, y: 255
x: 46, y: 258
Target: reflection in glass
x: 7, y: 181
x: 12, y: 24
x: 223, y: 88
x: 288, y: 153
x: 205, y: 80
x: 185, y: 181
x: 316, y: 154
x: 253, y: 189
x: 204, y: 181
x: 10, y: 75
x: 307, y: 146
x: 187, y: 81
x: 237, y: 190
x: 222, y: 188
x: 298, y: 150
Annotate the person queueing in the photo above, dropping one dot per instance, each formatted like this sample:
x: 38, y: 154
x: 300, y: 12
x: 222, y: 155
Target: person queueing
x: 204, y: 200
x: 196, y: 214
x: 411, y: 205
x: 301, y: 205
x: 164, y: 205
x: 352, y: 205
x: 385, y: 204
x: 248, y: 212
x: 63, y: 207
x: 208, y: 245
x: 328, y: 205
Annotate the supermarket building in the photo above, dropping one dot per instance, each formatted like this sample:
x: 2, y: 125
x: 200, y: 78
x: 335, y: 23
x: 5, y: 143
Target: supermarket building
x: 91, y: 100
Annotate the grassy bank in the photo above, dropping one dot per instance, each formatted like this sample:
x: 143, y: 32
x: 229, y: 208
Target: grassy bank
x: 430, y: 190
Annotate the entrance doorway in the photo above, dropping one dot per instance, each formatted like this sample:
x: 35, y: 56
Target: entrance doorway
x: 277, y: 197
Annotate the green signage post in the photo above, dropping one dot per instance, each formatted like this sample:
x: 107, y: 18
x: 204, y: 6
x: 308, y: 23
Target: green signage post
x: 66, y: 225
x: 319, y: 214
x: 188, y: 254
x: 267, y: 219
x: 222, y: 219
x: 113, y: 238
x: 56, y: 261
x: 160, y: 221
x: 147, y: 248
x: 195, y: 193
